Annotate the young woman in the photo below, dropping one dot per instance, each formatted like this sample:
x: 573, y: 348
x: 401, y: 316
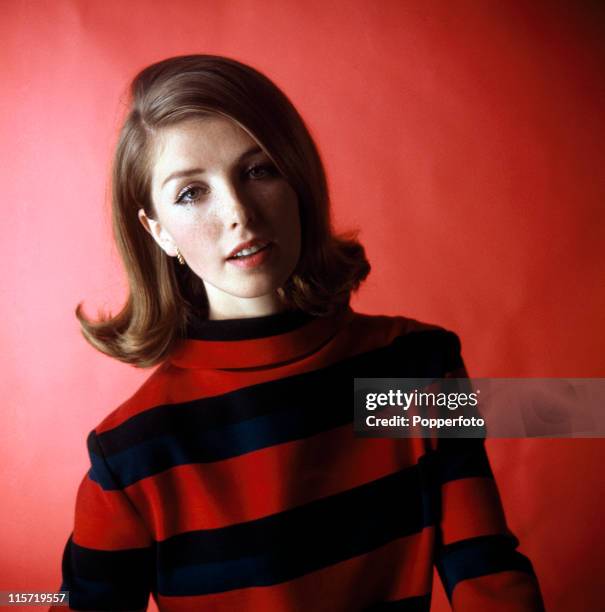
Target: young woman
x: 232, y: 479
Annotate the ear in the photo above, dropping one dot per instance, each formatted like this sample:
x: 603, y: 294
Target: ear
x: 158, y: 233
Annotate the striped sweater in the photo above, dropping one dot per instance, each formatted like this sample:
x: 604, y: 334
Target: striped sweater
x: 232, y: 480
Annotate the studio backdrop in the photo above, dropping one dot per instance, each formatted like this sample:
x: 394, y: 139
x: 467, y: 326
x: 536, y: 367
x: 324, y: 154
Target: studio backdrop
x: 463, y: 140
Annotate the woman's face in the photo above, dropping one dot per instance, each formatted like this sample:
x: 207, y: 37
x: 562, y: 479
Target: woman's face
x: 216, y: 193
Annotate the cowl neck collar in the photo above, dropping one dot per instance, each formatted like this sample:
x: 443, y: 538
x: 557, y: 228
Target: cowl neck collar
x: 250, y: 328
x: 256, y: 341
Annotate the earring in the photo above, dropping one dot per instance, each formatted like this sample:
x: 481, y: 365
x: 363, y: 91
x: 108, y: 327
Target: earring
x: 180, y: 257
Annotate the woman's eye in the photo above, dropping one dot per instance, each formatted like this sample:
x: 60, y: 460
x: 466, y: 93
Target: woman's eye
x: 189, y: 195
x: 261, y: 171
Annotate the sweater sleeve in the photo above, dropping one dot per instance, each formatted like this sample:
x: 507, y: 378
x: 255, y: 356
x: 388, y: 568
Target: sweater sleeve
x: 476, y: 557
x: 108, y: 559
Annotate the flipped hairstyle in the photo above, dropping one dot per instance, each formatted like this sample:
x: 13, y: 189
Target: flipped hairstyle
x: 164, y: 296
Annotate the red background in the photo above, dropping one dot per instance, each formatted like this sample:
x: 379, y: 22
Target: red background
x: 464, y: 139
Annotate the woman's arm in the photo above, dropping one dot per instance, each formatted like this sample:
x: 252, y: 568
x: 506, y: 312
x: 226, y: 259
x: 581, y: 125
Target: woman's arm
x: 108, y: 561
x: 476, y: 557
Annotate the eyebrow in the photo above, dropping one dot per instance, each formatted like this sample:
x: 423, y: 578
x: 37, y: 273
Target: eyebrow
x: 191, y: 171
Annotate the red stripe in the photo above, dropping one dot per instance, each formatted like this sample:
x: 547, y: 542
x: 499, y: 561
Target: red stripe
x: 350, y: 585
x: 471, y: 508
x: 502, y: 592
x: 259, y: 352
x: 267, y: 481
x: 169, y: 384
x: 106, y: 520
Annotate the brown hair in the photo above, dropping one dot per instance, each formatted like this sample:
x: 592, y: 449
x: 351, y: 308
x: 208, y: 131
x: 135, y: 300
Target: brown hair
x: 164, y: 296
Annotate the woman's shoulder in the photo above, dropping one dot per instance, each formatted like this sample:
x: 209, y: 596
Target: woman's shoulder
x: 413, y: 347
x: 365, y: 332
x: 154, y: 391
x: 394, y: 326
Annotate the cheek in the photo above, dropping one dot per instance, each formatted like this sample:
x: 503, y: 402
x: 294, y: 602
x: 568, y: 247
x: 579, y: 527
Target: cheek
x: 291, y: 218
x: 201, y: 237
x: 206, y: 227
x: 209, y: 230
x: 284, y: 208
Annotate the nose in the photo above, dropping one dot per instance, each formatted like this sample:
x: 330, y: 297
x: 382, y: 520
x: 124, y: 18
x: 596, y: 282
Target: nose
x: 237, y: 209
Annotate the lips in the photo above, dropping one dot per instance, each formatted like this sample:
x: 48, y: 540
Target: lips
x: 247, y: 245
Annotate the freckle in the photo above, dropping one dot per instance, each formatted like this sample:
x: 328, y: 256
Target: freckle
x: 211, y: 230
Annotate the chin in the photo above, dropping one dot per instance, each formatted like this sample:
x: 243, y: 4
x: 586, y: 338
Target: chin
x: 257, y: 292
x: 259, y: 287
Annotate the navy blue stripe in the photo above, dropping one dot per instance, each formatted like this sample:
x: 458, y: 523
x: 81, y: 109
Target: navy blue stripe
x: 479, y: 556
x: 453, y: 459
x: 229, y: 425
x: 416, y: 355
x: 107, y: 580
x: 421, y: 603
x: 461, y: 458
x: 228, y: 330
x: 286, y: 545
x: 298, y: 420
x: 99, y: 471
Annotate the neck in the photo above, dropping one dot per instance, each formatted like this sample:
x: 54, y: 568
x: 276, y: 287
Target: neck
x: 243, y: 308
